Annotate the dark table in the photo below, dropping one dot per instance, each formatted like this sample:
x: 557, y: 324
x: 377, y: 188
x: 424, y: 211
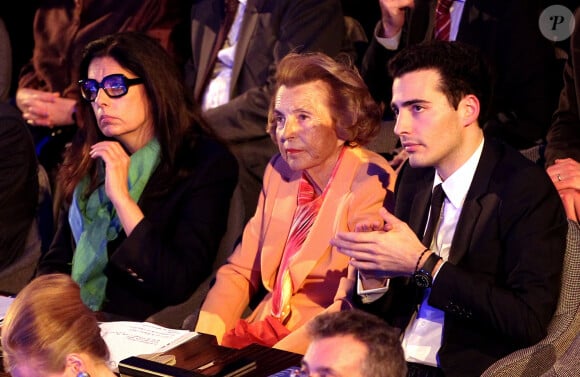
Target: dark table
x: 203, y: 350
x: 203, y: 355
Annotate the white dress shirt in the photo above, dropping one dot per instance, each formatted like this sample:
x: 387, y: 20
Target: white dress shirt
x: 218, y: 89
x: 422, y: 338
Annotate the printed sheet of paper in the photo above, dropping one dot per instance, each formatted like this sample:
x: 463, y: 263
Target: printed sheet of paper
x: 5, y: 302
x: 127, y: 338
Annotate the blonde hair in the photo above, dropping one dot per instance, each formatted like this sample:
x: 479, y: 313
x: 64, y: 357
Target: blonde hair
x: 47, y: 321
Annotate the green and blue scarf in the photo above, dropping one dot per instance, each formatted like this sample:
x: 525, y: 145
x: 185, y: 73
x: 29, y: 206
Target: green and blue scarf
x: 94, y: 222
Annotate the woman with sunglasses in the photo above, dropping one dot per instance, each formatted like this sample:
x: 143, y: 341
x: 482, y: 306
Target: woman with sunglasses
x: 147, y: 188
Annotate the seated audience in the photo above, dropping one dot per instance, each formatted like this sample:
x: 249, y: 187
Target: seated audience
x: 484, y: 280
x: 322, y: 181
x: 47, y: 328
x: 563, y: 147
x: 352, y: 343
x: 147, y: 188
x: 18, y: 185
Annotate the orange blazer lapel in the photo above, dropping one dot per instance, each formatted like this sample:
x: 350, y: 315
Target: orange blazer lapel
x: 279, y: 209
x: 328, y: 221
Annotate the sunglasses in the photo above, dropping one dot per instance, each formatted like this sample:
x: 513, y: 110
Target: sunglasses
x: 116, y: 85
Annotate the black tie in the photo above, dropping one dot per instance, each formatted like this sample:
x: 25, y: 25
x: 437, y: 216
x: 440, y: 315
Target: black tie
x: 436, y: 203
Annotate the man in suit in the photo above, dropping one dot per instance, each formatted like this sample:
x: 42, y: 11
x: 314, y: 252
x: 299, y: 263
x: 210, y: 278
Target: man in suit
x: 236, y: 88
x: 528, y: 76
x: 485, y: 281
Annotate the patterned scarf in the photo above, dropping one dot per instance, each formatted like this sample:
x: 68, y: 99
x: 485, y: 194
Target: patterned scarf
x: 94, y: 222
x: 308, y: 206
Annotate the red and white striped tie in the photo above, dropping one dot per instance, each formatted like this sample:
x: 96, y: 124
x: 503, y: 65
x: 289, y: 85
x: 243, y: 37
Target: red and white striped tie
x: 442, y: 20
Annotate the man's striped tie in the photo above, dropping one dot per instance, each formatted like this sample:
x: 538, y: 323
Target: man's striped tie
x: 442, y: 20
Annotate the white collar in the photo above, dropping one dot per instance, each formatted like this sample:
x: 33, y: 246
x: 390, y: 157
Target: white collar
x: 458, y: 183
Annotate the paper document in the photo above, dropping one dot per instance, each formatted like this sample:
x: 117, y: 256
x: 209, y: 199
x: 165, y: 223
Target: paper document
x: 5, y: 302
x: 127, y: 338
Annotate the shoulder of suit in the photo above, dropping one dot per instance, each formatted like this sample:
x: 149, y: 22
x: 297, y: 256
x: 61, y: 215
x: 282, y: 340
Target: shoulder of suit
x: 365, y: 155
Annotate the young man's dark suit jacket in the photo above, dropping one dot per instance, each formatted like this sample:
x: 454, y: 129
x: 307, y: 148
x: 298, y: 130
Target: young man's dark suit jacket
x: 528, y: 75
x: 500, y: 286
x: 270, y: 29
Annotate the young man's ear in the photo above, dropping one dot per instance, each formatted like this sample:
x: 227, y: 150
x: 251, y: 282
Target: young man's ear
x: 469, y: 109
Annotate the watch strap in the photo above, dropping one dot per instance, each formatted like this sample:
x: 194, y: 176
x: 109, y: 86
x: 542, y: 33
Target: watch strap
x: 430, y: 263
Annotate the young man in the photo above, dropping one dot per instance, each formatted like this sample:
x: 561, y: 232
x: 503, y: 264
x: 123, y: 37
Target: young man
x: 352, y: 343
x: 487, y: 282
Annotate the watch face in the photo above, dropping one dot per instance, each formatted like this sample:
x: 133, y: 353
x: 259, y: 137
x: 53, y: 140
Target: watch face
x: 422, y: 280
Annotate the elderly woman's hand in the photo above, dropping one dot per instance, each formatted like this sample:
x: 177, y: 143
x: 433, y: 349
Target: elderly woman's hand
x: 369, y: 226
x: 394, y: 251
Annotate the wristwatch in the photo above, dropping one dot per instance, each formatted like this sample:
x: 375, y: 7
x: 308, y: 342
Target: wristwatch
x: 423, y: 277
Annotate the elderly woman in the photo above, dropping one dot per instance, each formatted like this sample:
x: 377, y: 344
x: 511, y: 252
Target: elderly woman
x: 48, y: 331
x: 322, y: 182
x: 148, y: 188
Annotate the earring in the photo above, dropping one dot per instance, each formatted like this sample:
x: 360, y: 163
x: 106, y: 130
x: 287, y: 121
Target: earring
x: 83, y: 374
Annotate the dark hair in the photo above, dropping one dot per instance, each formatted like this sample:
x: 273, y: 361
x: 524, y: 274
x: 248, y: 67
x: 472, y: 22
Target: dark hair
x: 385, y: 356
x: 355, y: 113
x: 463, y: 70
x: 176, y: 119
